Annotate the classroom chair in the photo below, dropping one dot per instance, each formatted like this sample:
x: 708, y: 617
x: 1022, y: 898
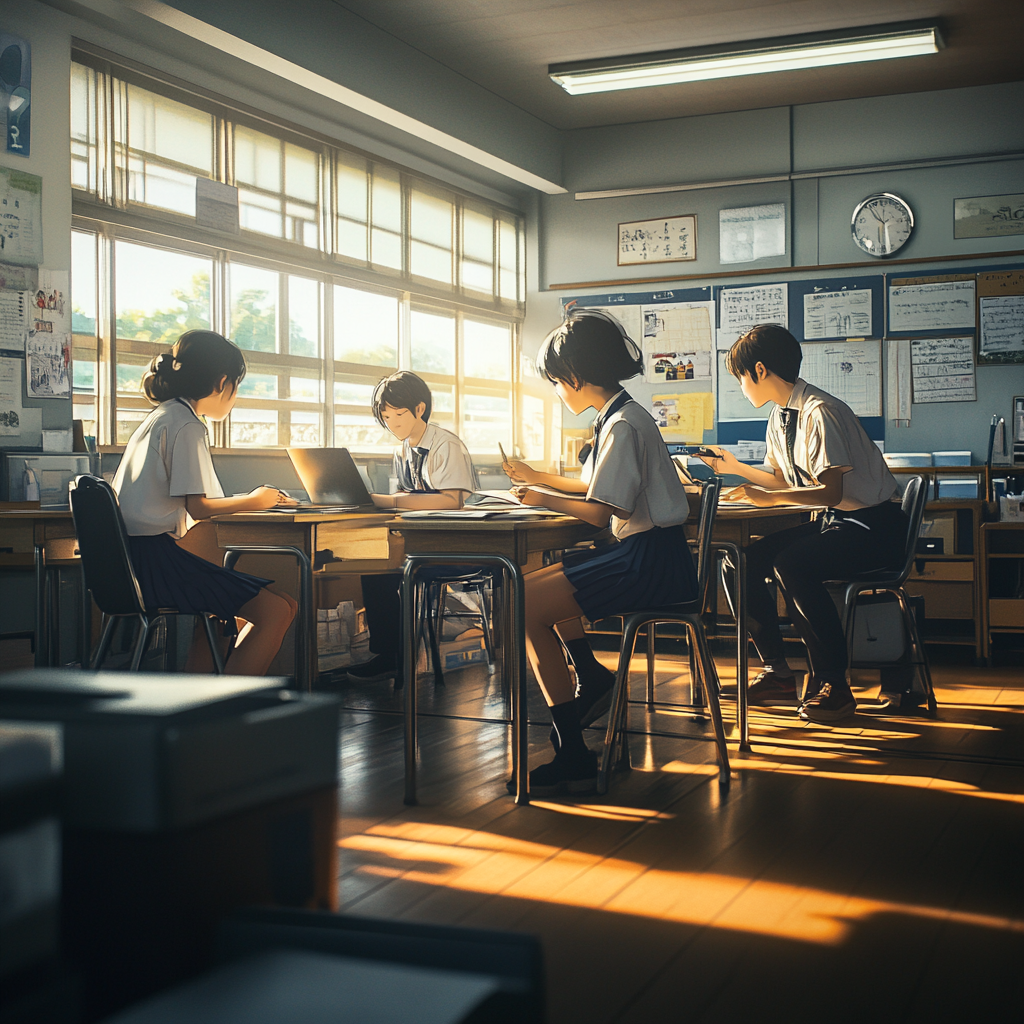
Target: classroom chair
x: 915, y: 498
x: 689, y: 614
x: 434, y: 613
x: 106, y: 561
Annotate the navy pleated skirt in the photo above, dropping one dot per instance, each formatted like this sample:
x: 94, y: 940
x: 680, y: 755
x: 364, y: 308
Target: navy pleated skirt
x: 171, y: 577
x: 644, y: 570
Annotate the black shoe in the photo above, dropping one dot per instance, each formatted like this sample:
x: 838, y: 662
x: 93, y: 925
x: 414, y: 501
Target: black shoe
x: 594, y: 695
x: 383, y: 666
x: 577, y: 774
x: 832, y: 703
x: 769, y: 688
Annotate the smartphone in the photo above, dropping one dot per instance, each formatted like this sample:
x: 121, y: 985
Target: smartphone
x: 696, y: 449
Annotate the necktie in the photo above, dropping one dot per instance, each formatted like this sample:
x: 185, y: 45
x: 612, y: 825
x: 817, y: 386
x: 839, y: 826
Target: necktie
x: 591, y: 446
x: 416, y: 457
x: 794, y: 477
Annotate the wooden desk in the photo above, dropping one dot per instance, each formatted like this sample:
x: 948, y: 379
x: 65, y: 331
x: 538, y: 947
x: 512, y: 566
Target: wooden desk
x: 36, y: 538
x: 511, y: 546
x: 1002, y: 567
x: 735, y: 529
x: 329, y: 543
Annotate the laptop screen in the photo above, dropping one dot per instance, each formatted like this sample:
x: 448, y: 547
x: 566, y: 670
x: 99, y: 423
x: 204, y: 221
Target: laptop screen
x: 330, y: 476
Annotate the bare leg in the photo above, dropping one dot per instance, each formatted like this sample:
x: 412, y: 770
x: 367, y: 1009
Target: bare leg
x: 550, y: 599
x: 275, y: 608
x: 271, y: 615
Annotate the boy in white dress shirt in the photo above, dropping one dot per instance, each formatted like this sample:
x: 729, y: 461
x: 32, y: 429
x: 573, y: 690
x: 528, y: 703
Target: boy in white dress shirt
x: 818, y: 454
x: 434, y: 470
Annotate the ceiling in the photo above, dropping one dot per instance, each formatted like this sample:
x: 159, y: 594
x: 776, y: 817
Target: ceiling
x: 506, y: 47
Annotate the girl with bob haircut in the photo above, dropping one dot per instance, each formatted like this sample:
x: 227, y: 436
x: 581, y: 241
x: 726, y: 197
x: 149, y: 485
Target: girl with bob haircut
x: 628, y: 480
x: 167, y: 488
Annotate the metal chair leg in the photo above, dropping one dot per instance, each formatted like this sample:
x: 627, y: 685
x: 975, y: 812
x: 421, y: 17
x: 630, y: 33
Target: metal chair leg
x: 480, y: 590
x: 211, y: 639
x: 435, y: 650
x: 620, y: 694
x: 105, y: 637
x: 709, y: 677
x: 652, y: 628
x: 141, y: 643
x: 919, y: 654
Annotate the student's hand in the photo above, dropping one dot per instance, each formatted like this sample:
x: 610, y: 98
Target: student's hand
x: 520, y: 472
x: 723, y: 463
x: 749, y: 493
x: 527, y: 496
x: 264, y: 498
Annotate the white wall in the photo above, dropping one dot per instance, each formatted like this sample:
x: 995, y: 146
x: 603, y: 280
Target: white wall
x: 577, y: 237
x: 49, y: 35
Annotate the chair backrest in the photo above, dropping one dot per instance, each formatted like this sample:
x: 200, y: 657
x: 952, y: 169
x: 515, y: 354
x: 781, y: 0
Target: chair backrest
x: 915, y: 497
x: 705, y: 526
x: 103, y: 545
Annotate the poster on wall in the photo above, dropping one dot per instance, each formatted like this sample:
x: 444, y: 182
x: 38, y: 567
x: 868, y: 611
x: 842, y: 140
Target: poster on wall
x: 677, y: 341
x: 749, y: 233
x: 16, y: 93
x: 666, y: 240
x: 49, y: 365
x: 988, y: 216
x: 21, y: 218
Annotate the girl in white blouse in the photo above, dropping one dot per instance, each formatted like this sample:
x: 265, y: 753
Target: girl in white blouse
x: 166, y: 482
x: 629, y: 481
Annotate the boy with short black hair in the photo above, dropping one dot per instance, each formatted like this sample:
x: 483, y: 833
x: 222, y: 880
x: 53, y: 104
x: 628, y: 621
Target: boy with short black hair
x: 818, y: 454
x: 434, y: 470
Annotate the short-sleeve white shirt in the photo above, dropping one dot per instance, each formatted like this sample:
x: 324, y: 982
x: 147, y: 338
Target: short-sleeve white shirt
x: 829, y: 434
x: 447, y: 466
x: 631, y: 470
x: 166, y: 459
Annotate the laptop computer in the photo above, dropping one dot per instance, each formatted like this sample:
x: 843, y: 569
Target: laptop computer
x: 331, y: 478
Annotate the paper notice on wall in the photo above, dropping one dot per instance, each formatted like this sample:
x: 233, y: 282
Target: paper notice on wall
x: 732, y: 403
x: 937, y: 305
x: 898, y: 380
x: 11, y: 410
x: 849, y: 370
x: 743, y: 308
x: 842, y: 314
x: 943, y: 370
x: 50, y: 304
x: 677, y: 341
x: 1002, y: 324
x: 751, y: 233
x: 684, y: 417
x: 21, y: 218
x: 14, y: 307
x: 48, y: 365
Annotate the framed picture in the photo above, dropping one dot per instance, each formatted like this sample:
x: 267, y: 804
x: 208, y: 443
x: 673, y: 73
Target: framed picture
x: 666, y: 240
x: 988, y: 216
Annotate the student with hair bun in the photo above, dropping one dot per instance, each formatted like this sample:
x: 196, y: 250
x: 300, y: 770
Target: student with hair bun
x: 167, y: 487
x: 628, y: 480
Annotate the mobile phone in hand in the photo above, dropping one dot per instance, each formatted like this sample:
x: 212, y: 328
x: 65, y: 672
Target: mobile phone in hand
x: 697, y: 449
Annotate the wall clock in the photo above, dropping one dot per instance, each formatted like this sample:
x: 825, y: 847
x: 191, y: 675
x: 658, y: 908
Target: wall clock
x: 882, y: 224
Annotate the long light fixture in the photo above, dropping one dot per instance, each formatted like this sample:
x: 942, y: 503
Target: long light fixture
x: 759, y: 57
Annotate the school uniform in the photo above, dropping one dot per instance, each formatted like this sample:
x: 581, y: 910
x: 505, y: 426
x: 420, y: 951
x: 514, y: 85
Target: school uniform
x: 865, y: 531
x: 165, y: 460
x: 439, y: 462
x: 648, y: 564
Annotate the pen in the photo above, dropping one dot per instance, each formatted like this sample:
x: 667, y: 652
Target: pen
x: 504, y: 457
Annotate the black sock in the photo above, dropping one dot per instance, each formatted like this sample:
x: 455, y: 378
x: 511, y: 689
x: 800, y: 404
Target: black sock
x: 586, y: 665
x: 567, y: 725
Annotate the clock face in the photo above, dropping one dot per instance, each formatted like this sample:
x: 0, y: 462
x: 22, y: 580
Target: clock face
x: 882, y: 224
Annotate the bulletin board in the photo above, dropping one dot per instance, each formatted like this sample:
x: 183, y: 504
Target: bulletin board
x: 1001, y: 317
x: 838, y: 308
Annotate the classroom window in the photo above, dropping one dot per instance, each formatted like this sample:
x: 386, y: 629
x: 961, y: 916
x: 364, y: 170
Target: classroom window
x: 345, y: 269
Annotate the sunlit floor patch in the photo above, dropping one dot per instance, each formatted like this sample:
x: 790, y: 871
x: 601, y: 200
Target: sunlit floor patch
x: 483, y: 862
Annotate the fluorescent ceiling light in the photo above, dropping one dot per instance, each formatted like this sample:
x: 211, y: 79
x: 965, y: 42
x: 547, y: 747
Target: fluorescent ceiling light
x: 822, y: 49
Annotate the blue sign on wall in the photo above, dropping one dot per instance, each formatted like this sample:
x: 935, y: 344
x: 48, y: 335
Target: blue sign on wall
x: 16, y: 93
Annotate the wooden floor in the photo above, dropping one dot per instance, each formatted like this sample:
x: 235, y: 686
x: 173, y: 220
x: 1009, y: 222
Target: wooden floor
x: 873, y: 872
